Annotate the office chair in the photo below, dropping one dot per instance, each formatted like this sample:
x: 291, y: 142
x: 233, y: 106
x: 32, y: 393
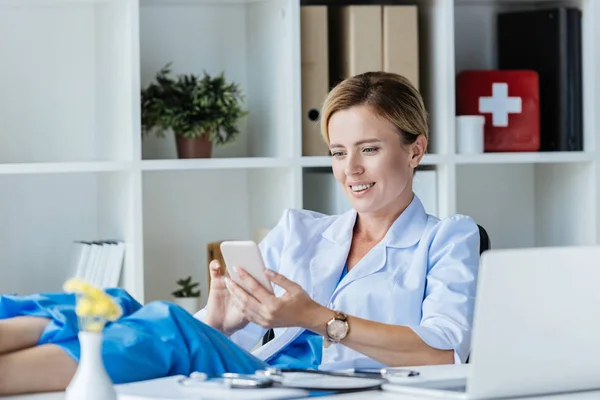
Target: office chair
x: 484, y: 244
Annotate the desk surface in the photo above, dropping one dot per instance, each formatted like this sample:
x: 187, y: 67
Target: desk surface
x: 443, y: 371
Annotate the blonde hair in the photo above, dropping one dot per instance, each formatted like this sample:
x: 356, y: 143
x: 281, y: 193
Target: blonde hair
x: 390, y: 96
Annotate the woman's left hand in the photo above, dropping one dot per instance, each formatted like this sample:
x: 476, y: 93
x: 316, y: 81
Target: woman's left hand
x: 295, y: 308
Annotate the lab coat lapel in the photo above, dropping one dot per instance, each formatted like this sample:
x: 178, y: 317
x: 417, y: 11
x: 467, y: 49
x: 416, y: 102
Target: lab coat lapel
x: 279, y: 341
x: 327, y: 265
x: 405, y: 232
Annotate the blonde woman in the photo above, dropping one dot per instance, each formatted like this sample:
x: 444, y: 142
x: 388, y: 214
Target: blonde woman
x: 384, y: 284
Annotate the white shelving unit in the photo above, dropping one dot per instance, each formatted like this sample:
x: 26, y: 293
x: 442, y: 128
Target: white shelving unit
x: 73, y: 164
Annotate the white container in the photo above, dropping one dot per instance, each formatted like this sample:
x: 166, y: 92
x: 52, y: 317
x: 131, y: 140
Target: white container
x: 470, y: 134
x: 189, y: 304
x: 91, y: 381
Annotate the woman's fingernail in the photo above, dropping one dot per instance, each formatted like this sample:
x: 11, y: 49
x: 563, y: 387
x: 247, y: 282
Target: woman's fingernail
x: 236, y: 270
x: 270, y: 273
x: 227, y: 283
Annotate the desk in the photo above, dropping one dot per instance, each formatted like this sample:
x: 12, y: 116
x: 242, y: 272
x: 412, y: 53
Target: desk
x: 442, y: 371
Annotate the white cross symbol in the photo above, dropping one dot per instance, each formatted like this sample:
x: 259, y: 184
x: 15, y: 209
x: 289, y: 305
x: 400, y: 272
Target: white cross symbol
x: 500, y: 104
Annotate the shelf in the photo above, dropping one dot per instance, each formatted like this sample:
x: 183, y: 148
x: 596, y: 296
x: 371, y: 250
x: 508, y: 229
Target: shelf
x: 486, y: 2
x: 50, y: 3
x: 196, y: 2
x: 524, y: 158
x: 215, y: 163
x: 65, y: 167
x: 325, y: 161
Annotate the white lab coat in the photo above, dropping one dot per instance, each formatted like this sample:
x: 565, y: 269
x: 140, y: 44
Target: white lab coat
x: 421, y: 275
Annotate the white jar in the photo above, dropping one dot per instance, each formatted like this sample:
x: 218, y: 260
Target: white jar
x: 470, y: 134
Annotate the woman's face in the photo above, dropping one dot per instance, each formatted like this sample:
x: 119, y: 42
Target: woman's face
x: 369, y: 161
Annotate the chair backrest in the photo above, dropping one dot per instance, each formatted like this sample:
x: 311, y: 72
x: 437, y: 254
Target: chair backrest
x: 484, y: 240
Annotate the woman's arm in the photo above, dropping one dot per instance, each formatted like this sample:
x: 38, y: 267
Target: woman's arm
x: 391, y: 345
x: 443, y: 335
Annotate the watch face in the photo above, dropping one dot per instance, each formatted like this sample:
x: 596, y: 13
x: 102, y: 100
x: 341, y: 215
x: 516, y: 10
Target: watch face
x: 337, y: 329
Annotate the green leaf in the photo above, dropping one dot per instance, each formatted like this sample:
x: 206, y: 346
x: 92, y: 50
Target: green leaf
x: 192, y: 106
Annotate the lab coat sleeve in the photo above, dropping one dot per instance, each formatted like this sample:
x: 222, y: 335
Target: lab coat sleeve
x: 271, y: 248
x: 449, y: 300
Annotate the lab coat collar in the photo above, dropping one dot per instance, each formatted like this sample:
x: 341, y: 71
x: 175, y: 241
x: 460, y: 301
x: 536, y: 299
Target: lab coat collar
x: 326, y: 267
x: 404, y: 232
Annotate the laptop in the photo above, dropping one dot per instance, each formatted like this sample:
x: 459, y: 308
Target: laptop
x: 536, y: 327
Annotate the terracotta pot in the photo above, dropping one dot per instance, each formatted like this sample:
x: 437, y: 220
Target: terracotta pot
x: 199, y: 147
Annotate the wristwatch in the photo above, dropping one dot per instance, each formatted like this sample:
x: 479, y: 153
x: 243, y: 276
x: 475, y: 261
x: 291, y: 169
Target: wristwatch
x: 337, y: 329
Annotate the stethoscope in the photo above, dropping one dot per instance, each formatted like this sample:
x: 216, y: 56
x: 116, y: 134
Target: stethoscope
x: 368, y: 378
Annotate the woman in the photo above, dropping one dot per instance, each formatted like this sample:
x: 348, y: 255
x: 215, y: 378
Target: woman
x: 383, y: 284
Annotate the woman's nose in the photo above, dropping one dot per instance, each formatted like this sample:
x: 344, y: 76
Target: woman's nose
x: 353, y: 165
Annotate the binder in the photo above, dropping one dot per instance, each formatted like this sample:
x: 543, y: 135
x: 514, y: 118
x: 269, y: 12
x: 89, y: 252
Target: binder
x: 401, y: 41
x: 315, y: 76
x: 355, y: 40
x: 548, y: 41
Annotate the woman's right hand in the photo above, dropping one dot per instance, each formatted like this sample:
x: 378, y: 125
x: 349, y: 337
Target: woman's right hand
x: 221, y: 313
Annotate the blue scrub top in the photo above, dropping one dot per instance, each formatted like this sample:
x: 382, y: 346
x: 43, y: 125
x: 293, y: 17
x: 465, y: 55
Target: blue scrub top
x: 305, y: 351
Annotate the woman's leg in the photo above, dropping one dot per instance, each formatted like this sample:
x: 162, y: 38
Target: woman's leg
x: 44, y: 368
x: 19, y: 333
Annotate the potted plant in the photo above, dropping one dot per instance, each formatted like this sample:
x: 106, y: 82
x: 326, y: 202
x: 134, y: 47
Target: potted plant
x: 186, y: 297
x: 201, y: 112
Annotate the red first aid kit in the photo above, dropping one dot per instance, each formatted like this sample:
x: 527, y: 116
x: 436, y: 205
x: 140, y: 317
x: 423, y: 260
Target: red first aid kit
x: 509, y: 101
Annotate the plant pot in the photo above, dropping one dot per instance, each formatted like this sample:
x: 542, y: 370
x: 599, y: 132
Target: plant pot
x: 91, y: 381
x: 199, y: 147
x: 190, y: 304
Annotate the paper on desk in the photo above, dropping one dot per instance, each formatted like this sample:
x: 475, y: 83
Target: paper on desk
x: 169, y: 389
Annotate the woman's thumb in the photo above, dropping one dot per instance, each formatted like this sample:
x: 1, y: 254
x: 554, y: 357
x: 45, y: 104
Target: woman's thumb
x: 215, y: 269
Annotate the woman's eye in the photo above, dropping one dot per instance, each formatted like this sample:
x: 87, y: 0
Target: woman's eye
x: 370, y: 150
x: 337, y: 153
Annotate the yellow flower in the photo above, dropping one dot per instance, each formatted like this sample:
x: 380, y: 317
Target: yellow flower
x: 94, y: 306
x: 94, y: 326
x: 84, y: 307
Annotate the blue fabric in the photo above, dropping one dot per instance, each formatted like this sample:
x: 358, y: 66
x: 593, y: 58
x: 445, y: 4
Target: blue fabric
x: 157, y: 340
x: 305, y: 352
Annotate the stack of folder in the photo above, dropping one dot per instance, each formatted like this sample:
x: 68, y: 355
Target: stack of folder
x: 343, y: 41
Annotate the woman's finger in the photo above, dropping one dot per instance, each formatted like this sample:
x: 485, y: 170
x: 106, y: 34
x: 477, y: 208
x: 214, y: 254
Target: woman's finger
x: 253, y: 286
x: 247, y: 304
x: 281, y: 281
x: 215, y: 271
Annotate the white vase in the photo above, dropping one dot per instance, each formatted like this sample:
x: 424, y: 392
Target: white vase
x: 189, y: 304
x: 91, y: 381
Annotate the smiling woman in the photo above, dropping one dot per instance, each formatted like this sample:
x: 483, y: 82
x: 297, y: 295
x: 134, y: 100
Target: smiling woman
x: 376, y: 126
x: 384, y: 284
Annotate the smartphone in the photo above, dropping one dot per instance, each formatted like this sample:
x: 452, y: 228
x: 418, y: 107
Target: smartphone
x: 245, y: 254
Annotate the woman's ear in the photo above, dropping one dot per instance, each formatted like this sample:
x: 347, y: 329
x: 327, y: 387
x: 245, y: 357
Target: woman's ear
x: 417, y: 150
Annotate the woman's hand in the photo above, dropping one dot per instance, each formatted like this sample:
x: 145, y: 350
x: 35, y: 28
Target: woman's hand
x: 294, y: 309
x: 221, y: 313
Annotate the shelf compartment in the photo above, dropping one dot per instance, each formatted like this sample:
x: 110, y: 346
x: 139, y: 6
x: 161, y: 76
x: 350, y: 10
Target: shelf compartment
x: 183, y: 211
x: 47, y: 213
x: 529, y: 205
x: 475, y: 43
x: 66, y: 81
x: 252, y: 43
